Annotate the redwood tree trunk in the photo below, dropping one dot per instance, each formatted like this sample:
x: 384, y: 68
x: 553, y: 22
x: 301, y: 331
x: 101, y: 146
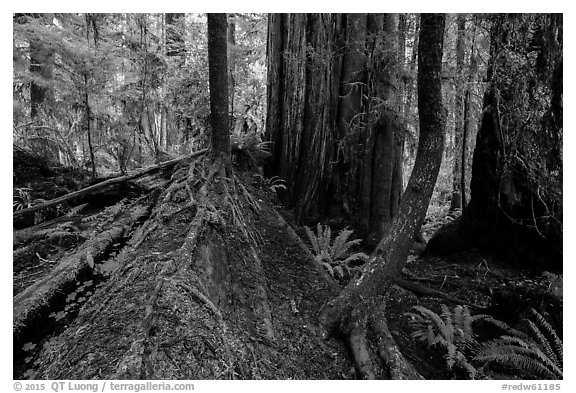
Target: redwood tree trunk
x: 351, y: 311
x: 515, y: 209
x: 231, y: 66
x: 218, y: 79
x: 332, y: 97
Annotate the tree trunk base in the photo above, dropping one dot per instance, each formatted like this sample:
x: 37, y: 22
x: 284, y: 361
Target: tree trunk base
x: 212, y: 286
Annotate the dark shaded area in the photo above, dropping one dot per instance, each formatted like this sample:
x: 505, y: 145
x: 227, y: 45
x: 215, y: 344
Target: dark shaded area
x: 516, y: 190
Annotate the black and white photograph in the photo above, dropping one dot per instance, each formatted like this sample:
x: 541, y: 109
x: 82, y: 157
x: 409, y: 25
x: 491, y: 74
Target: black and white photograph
x: 286, y: 196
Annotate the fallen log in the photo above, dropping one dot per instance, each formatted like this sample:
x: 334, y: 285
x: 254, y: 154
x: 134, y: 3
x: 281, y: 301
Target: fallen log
x: 117, y: 180
x: 33, y: 304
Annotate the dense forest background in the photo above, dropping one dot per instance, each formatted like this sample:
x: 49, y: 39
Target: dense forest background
x: 397, y: 155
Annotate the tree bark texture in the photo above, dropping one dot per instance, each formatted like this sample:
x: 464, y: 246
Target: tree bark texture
x: 360, y: 300
x: 218, y: 79
x: 231, y: 66
x: 516, y: 188
x: 459, y: 112
x: 332, y: 116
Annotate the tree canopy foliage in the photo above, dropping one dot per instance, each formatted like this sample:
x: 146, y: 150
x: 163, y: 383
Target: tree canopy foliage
x: 120, y: 74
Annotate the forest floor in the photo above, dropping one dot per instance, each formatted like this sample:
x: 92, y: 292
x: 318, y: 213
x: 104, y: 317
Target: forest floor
x: 140, y: 304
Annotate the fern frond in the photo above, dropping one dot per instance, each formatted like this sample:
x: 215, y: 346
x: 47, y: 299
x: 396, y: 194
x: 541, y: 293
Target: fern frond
x: 91, y: 218
x: 326, y: 236
x: 465, y: 322
x: 313, y: 240
x: 458, y: 316
x: 524, y: 362
x: 329, y: 268
x: 504, y: 350
x: 75, y: 210
x: 438, y: 322
x: 554, y: 342
x: 339, y: 242
x: 448, y: 333
x: 499, y: 324
x: 450, y: 354
x: 338, y: 269
x: 356, y: 257
x: 542, y: 341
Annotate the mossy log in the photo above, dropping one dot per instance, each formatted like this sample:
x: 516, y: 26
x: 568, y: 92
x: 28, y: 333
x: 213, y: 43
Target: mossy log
x: 33, y: 304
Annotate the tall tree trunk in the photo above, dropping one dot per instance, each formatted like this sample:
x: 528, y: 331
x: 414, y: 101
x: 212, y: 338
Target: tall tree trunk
x: 353, y: 87
x: 274, y: 81
x: 217, y: 72
x: 89, y: 22
x: 469, y: 120
x: 460, y: 116
x: 88, y: 125
x: 303, y: 139
x: 410, y: 91
x: 231, y: 66
x: 42, y: 66
x: 515, y: 208
x: 400, y: 133
x: 356, y: 308
x: 175, y: 48
x: 331, y: 96
x: 385, y: 180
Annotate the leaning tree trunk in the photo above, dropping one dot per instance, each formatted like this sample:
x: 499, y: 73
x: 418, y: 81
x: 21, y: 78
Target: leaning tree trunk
x: 359, y: 306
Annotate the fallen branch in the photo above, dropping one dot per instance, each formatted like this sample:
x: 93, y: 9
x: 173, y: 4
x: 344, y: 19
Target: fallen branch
x: 117, y: 180
x: 426, y: 291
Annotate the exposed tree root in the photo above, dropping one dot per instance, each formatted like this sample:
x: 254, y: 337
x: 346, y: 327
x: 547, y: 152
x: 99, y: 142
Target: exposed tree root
x: 397, y: 365
x: 375, y: 352
x: 360, y: 351
x: 207, y: 302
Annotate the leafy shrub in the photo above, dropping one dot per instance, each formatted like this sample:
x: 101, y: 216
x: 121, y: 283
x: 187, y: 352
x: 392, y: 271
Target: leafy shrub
x: 334, y: 256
